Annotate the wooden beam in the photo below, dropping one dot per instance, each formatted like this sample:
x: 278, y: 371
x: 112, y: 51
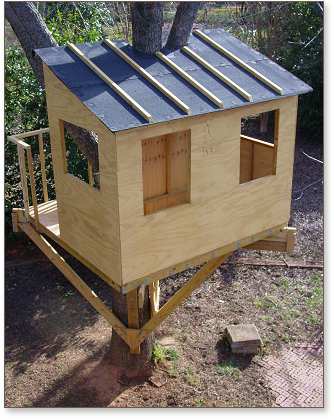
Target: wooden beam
x: 242, y: 92
x: 213, y: 98
x: 239, y: 61
x: 42, y: 161
x: 73, y: 278
x: 114, y: 86
x: 284, y: 241
x: 178, y: 298
x: 148, y: 77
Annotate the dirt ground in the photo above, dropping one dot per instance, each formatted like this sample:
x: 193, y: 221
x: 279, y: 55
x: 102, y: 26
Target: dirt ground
x: 57, y: 346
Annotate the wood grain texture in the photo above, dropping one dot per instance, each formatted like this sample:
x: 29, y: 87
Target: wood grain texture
x: 166, y: 171
x: 222, y: 211
x: 88, y: 217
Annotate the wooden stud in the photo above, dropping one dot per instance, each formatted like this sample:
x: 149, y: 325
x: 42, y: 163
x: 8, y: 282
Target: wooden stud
x: 116, y: 88
x: 178, y: 298
x: 90, y: 174
x: 190, y: 79
x: 218, y: 74
x: 148, y: 77
x: 239, y: 61
x: 73, y: 277
x: 42, y: 161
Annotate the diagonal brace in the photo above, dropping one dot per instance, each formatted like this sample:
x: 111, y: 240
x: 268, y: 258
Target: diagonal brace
x: 74, y: 278
x: 137, y: 336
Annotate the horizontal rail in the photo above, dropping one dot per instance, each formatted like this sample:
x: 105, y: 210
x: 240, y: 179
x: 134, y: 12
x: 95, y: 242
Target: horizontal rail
x: 148, y: 77
x: 204, y: 91
x: 264, y: 143
x: 238, y: 61
x: 114, y: 86
x: 218, y: 73
x: 32, y: 133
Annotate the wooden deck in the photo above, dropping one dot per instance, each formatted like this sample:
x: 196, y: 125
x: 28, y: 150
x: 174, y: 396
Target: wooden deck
x: 48, y: 216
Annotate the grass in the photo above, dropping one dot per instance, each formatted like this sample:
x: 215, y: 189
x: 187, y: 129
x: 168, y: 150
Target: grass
x: 161, y: 354
x: 228, y: 368
x: 288, y: 308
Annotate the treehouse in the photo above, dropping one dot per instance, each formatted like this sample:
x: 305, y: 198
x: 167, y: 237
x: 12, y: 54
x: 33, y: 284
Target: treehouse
x: 195, y: 160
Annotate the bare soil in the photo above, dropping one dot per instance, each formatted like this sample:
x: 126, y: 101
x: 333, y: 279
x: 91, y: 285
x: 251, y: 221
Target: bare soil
x: 57, y: 345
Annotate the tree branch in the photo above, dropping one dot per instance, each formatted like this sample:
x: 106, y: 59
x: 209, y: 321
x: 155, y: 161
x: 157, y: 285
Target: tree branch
x: 33, y: 33
x: 182, y: 24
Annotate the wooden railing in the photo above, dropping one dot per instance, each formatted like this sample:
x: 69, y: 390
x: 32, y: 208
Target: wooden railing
x: 25, y: 155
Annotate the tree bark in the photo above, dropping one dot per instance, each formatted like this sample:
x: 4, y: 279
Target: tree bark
x: 131, y: 366
x: 147, y: 21
x: 33, y: 33
x: 182, y: 24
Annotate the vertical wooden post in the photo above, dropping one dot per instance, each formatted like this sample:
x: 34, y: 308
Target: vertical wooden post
x: 276, y: 133
x: 43, y: 173
x: 23, y: 174
x: 154, y: 290
x: 90, y: 174
x: 133, y: 314
x: 33, y: 187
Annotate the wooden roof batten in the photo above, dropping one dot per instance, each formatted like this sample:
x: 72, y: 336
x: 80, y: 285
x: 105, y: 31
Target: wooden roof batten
x: 218, y: 73
x: 238, y: 61
x: 114, y: 86
x: 203, y: 90
x: 148, y: 76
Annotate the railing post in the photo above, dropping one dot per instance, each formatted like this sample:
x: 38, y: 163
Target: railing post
x: 42, y: 161
x: 32, y: 186
x: 23, y: 174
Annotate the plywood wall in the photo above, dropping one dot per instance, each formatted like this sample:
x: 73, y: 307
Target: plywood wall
x: 221, y: 209
x: 88, y: 217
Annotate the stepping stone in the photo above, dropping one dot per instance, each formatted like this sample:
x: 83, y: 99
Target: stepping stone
x: 243, y: 338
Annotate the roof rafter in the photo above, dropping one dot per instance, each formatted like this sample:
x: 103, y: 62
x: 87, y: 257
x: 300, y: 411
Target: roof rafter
x: 148, y: 76
x: 218, y: 73
x: 238, y: 61
x: 190, y: 79
x: 114, y: 86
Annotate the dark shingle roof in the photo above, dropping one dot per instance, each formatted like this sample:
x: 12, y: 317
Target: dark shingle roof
x: 117, y: 115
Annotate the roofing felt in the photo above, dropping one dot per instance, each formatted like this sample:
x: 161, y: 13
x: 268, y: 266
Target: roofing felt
x: 118, y: 115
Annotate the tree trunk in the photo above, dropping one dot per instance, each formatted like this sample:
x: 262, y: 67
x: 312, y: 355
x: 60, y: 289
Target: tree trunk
x: 147, y: 21
x: 131, y: 366
x: 183, y: 22
x: 33, y: 33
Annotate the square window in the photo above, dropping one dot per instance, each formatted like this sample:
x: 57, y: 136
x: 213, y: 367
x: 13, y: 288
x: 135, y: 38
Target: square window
x: 75, y: 162
x: 258, y: 145
x: 166, y: 171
